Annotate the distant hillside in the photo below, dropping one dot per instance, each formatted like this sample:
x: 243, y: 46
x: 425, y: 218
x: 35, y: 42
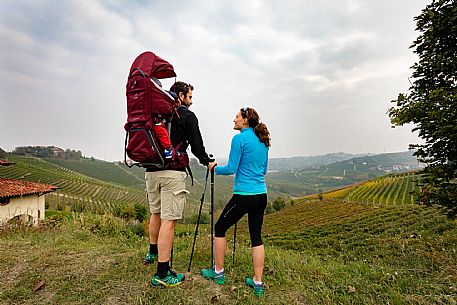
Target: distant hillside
x: 285, y: 164
x: 313, y: 179
x: 76, y: 191
x: 107, y: 171
x: 94, y: 182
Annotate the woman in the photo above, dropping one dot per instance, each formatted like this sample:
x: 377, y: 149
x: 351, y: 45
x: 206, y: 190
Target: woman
x: 248, y: 160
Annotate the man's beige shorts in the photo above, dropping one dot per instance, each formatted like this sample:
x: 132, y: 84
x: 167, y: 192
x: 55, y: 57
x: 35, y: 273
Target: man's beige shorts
x: 166, y: 193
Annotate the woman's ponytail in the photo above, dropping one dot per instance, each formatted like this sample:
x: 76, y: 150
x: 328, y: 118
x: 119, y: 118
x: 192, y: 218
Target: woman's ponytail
x: 263, y: 134
x: 260, y: 129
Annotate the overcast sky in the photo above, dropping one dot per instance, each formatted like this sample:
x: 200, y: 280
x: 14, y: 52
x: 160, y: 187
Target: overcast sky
x: 321, y: 74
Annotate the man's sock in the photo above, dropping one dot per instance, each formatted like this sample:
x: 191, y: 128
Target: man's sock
x: 162, y: 269
x: 153, y: 249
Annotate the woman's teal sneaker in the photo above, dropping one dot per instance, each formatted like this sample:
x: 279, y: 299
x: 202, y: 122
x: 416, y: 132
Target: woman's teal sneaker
x: 210, y: 274
x: 150, y: 258
x: 258, y: 289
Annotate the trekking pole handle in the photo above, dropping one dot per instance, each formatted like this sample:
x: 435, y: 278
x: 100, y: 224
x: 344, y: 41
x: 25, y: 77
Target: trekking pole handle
x: 211, y: 159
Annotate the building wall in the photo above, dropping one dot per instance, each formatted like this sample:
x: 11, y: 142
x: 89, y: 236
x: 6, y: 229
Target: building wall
x: 32, y: 205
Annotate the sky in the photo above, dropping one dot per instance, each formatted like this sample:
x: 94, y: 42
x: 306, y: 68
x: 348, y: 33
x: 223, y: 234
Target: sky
x: 321, y: 74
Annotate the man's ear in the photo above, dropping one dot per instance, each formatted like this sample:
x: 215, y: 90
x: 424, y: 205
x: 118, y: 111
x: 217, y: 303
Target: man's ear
x: 181, y: 96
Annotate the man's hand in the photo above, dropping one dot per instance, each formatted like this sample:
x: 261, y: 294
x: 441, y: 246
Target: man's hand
x: 211, y: 165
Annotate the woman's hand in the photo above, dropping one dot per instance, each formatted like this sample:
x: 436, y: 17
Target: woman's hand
x: 211, y: 165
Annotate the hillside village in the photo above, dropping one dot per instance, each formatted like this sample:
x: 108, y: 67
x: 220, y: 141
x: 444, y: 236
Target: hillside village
x: 48, y: 152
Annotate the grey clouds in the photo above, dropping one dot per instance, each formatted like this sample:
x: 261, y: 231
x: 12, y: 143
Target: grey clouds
x: 320, y: 73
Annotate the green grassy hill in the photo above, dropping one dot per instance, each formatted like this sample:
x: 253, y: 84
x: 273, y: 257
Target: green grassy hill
x: 107, y: 171
x: 316, y: 253
x: 76, y: 191
x: 391, y: 189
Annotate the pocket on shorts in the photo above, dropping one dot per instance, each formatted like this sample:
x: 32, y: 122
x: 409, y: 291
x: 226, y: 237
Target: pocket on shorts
x: 179, y: 200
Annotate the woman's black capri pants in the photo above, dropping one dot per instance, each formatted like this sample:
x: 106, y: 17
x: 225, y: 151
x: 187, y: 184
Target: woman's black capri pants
x: 237, y: 207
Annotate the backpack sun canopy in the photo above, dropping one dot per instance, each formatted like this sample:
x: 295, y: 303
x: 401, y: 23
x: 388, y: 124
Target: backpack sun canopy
x: 152, y: 66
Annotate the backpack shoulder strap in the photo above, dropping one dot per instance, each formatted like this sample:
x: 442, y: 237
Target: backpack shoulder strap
x: 181, y: 113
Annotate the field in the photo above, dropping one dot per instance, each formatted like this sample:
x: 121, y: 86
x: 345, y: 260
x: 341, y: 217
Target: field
x: 389, y: 190
x: 316, y: 253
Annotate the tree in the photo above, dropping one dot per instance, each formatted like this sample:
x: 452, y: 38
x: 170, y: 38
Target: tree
x: 278, y: 204
x: 431, y: 105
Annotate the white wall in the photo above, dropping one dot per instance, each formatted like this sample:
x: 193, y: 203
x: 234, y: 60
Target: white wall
x: 32, y: 205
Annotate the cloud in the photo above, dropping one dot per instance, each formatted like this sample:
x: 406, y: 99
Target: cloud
x: 319, y: 73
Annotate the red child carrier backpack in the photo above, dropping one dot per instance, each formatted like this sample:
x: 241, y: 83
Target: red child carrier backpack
x: 146, y: 101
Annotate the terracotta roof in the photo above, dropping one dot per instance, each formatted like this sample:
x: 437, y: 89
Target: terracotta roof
x: 14, y: 188
x: 5, y: 162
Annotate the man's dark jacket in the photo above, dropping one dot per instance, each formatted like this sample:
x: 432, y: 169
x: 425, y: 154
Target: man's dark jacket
x: 185, y: 130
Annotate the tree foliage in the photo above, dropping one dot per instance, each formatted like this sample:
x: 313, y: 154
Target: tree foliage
x: 2, y: 153
x: 430, y: 103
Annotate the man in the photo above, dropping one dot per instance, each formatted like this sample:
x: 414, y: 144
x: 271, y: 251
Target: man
x: 166, y: 188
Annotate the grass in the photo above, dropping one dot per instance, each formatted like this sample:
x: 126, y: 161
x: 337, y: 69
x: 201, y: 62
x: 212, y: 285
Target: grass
x: 326, y: 253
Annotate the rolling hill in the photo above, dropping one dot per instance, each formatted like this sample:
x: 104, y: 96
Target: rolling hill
x: 99, y: 186
x: 287, y: 164
x: 314, y: 179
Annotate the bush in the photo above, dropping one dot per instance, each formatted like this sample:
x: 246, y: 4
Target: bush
x: 106, y: 225
x: 204, y: 218
x: 56, y: 218
x: 279, y: 203
x: 269, y: 209
x: 141, y: 212
x: 126, y: 211
x: 136, y: 228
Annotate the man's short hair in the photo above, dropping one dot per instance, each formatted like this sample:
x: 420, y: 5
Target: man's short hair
x: 181, y: 87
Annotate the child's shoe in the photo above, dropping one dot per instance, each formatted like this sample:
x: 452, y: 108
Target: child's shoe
x: 168, y: 153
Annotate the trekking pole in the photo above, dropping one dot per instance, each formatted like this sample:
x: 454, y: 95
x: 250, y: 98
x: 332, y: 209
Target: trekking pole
x: 212, y: 216
x: 202, y: 199
x: 234, y: 245
x: 171, y: 258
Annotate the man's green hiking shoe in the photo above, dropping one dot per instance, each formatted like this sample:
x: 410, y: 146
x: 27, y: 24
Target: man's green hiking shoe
x: 150, y: 258
x: 210, y: 274
x: 258, y: 289
x: 172, y: 279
